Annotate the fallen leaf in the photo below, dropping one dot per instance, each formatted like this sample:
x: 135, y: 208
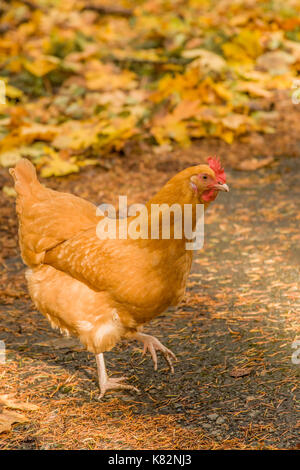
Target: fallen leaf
x: 205, y: 60
x: 8, y: 418
x: 10, y: 402
x: 13, y: 92
x: 41, y: 66
x: 56, y: 166
x: 294, y: 47
x: 240, y: 372
x: 254, y: 89
x: 253, y: 164
x: 244, y: 47
x: 235, y: 121
x: 10, y: 158
x: 9, y: 191
x: 61, y: 343
x: 275, y: 62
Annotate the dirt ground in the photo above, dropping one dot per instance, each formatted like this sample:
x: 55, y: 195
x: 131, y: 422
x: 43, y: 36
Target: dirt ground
x: 235, y: 385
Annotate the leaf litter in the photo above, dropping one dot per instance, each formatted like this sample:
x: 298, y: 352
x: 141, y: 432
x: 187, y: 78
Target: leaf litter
x: 84, y: 80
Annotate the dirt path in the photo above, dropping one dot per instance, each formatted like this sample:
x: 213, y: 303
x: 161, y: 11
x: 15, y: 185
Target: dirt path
x: 240, y: 317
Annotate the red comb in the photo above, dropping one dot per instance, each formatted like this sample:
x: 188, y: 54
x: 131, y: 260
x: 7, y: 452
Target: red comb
x: 215, y: 165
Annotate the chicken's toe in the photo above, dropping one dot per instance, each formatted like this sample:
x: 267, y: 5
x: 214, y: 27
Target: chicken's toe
x: 115, y: 383
x: 152, y: 345
x: 110, y: 383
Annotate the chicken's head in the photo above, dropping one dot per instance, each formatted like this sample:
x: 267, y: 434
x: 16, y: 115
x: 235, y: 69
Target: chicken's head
x: 208, y: 180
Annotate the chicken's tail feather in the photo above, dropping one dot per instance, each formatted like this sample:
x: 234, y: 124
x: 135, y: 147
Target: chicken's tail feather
x: 28, y: 191
x: 46, y: 217
x: 24, y: 176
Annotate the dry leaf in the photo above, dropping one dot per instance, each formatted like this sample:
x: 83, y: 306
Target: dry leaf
x: 8, y: 418
x: 244, y: 47
x: 10, y: 402
x: 253, y: 164
x: 9, y: 191
x: 240, y: 372
x: 62, y: 343
x: 41, y: 66
x: 10, y: 158
x: 255, y: 89
x: 275, y: 62
x: 235, y: 121
x: 205, y: 60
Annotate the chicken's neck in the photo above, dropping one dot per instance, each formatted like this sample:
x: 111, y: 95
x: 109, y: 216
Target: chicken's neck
x: 175, y: 203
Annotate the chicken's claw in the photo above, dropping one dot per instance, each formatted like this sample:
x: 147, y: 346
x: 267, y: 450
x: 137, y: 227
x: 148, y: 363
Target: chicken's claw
x: 109, y: 383
x: 152, y: 345
x: 113, y: 383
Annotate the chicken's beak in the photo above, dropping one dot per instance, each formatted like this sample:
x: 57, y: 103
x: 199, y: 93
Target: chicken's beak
x: 221, y: 187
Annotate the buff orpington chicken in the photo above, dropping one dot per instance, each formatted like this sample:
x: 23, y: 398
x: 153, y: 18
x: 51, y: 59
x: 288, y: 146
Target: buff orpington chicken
x: 102, y: 290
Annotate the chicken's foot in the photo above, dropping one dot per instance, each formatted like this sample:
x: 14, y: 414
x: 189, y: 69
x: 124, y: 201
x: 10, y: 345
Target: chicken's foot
x: 109, y: 383
x: 152, y: 345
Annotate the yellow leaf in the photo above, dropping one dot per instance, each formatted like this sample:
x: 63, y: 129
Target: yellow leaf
x: 107, y: 77
x: 78, y: 135
x: 174, y: 130
x: 9, y: 191
x: 41, y: 67
x: 10, y: 158
x: 37, y: 132
x: 185, y: 110
x: 227, y: 136
x: 87, y: 162
x: 56, y: 166
x: 244, y: 48
x: 235, y: 53
x: 222, y: 91
x: 12, y: 92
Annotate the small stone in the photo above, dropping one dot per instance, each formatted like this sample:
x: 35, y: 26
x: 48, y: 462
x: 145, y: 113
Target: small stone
x: 206, y: 425
x: 220, y: 420
x: 213, y: 416
x: 254, y: 413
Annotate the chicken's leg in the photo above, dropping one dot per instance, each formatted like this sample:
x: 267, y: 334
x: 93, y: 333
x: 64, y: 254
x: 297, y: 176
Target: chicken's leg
x: 109, y: 383
x: 152, y: 344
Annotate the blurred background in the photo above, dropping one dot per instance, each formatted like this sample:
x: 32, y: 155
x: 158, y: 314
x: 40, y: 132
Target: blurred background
x: 87, y: 80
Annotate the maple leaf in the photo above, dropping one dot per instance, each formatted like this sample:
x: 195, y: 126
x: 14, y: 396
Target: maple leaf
x: 57, y: 166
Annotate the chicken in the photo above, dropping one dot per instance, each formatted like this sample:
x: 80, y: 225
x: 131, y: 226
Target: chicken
x: 105, y: 289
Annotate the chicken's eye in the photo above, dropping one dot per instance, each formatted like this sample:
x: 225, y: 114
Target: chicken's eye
x: 204, y: 177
